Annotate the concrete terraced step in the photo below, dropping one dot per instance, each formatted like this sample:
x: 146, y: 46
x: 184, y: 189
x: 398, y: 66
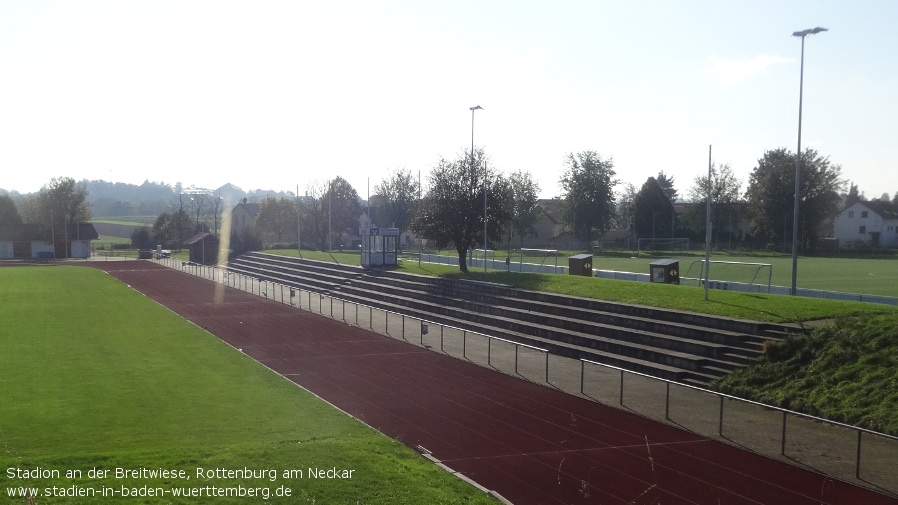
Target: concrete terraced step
x: 695, y: 350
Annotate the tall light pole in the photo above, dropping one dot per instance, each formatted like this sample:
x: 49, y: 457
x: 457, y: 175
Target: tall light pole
x: 802, y: 34
x: 477, y: 107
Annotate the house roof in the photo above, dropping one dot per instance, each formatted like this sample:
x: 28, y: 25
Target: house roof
x: 886, y: 210
x: 251, y: 209
x: 552, y: 208
x: 31, y: 231
x: 84, y: 231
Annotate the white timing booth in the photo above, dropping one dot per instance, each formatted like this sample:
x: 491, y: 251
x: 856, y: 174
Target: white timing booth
x: 379, y: 246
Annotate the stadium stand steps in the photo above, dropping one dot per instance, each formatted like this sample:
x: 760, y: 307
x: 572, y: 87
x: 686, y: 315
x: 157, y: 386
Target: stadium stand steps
x: 686, y: 347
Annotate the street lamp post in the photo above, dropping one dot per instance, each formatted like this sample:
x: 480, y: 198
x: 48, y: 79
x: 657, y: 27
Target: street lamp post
x: 477, y: 107
x: 802, y: 34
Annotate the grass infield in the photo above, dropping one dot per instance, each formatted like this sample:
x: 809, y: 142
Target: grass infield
x: 96, y: 376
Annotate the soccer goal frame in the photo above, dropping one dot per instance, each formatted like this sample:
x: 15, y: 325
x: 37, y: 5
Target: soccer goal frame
x: 682, y: 244
x: 757, y: 271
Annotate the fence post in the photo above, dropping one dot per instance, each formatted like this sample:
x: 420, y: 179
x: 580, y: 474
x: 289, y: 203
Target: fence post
x: 783, y: 446
x: 464, y: 343
x: 667, y: 403
x: 489, y: 350
x: 441, y: 338
x: 516, y: 346
x: 720, y: 420
x: 857, y: 465
x: 582, y: 367
x: 622, y: 388
x: 547, y: 367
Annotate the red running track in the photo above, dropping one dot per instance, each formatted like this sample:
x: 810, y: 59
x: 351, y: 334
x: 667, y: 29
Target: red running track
x: 528, y: 442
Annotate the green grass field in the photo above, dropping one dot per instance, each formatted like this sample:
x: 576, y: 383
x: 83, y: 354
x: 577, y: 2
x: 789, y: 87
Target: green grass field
x: 849, y: 275
x: 128, y: 220
x: 95, y: 375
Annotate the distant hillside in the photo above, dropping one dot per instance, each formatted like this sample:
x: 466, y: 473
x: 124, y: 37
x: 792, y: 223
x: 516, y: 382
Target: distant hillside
x: 119, y: 199
x: 116, y: 199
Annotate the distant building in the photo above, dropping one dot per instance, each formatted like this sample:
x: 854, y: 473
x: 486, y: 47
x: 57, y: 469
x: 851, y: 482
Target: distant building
x: 243, y: 215
x: 203, y: 248
x: 871, y: 223
x: 30, y: 241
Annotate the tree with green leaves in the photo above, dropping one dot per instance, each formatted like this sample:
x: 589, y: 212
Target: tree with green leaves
x: 170, y: 228
x: 667, y: 185
x: 451, y: 213
x: 57, y: 209
x: 588, y: 183
x: 330, y: 211
x: 277, y: 216
x: 524, y: 211
x: 771, y: 192
x: 853, y: 197
x: 726, y: 201
x: 653, y: 211
x: 625, y: 207
x: 396, y: 198
x: 10, y: 220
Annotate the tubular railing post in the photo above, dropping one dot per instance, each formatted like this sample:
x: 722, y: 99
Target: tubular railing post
x: 489, y: 350
x: 387, y: 323
x: 441, y: 338
x: 464, y: 343
x: 857, y: 464
x: 783, y: 442
x: 582, y: 373
x: 622, y: 388
x: 547, y: 368
x: 667, y: 403
x: 370, y: 318
x: 516, y: 346
x: 403, y: 328
x: 720, y: 420
x: 356, y: 314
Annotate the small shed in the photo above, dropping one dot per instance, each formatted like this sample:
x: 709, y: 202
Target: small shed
x: 580, y: 264
x: 379, y: 246
x: 666, y: 271
x: 203, y: 248
x: 80, y: 235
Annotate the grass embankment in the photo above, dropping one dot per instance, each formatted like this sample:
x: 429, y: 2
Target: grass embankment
x: 95, y: 375
x: 847, y: 372
x: 754, y: 306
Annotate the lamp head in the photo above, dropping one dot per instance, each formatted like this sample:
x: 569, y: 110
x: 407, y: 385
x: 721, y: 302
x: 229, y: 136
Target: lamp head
x: 809, y: 31
x: 476, y: 107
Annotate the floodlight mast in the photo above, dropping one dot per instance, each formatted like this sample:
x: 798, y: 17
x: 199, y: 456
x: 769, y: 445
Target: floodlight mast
x: 477, y: 107
x: 801, y: 34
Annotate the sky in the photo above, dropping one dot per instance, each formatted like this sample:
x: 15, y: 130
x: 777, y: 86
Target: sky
x: 284, y: 94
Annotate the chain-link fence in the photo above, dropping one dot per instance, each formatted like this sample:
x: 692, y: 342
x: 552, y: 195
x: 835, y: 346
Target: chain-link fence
x: 839, y: 450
